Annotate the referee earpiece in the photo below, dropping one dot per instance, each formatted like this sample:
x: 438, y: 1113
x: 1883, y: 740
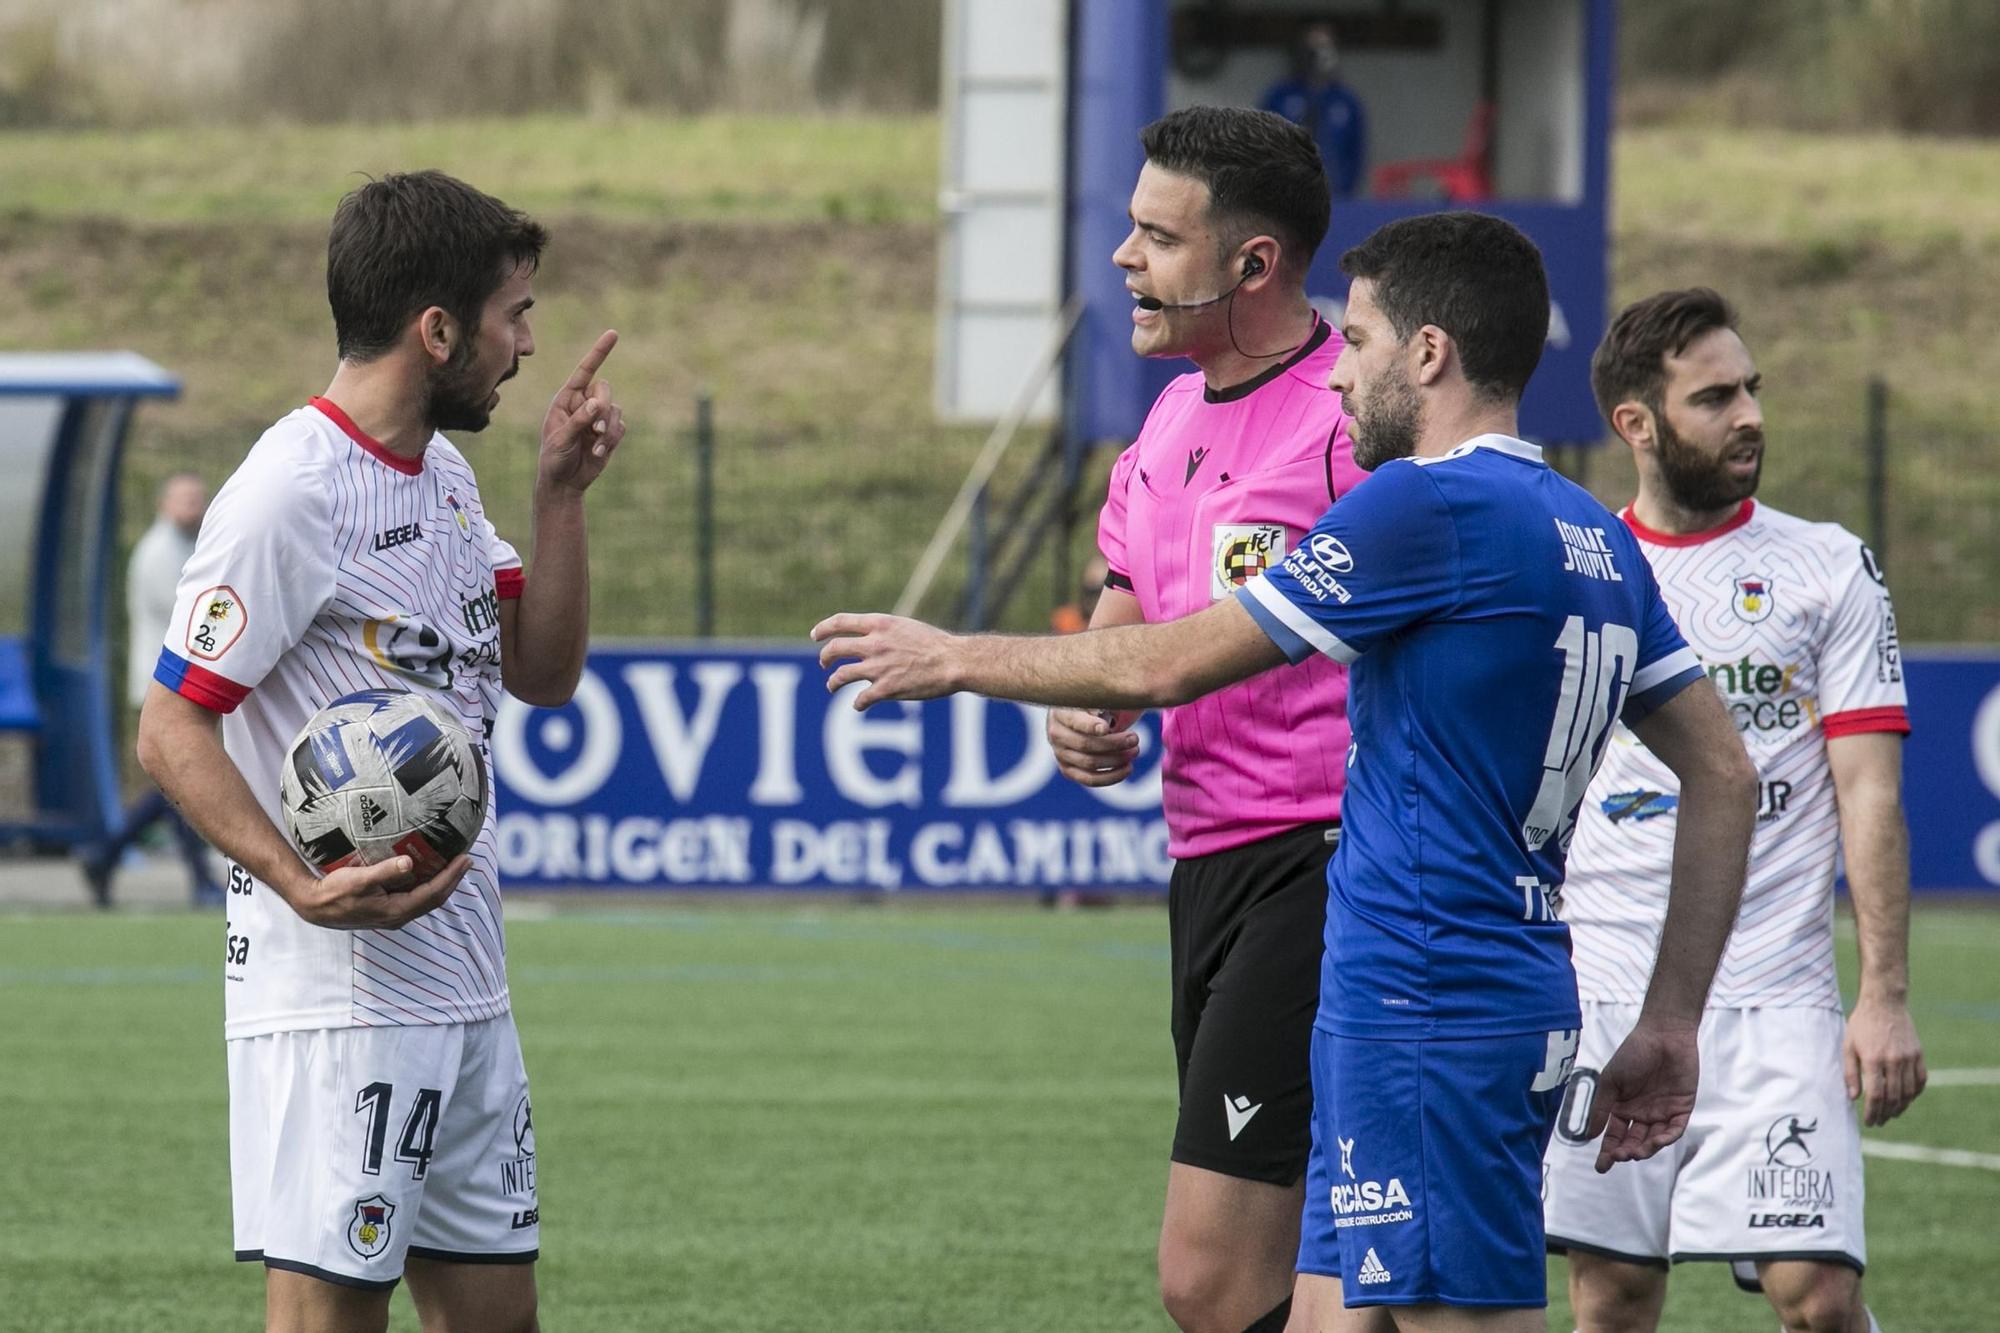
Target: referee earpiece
x: 1252, y: 266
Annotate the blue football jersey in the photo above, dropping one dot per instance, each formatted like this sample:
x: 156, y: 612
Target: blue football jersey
x: 1499, y: 621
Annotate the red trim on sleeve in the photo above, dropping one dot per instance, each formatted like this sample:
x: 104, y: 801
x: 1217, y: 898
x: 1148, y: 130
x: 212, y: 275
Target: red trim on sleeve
x: 508, y: 582
x: 409, y: 467
x: 218, y: 694
x: 1646, y: 534
x: 1855, y: 721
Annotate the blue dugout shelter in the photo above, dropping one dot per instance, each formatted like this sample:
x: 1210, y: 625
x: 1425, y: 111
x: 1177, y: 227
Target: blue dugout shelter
x: 1498, y: 105
x: 63, y: 421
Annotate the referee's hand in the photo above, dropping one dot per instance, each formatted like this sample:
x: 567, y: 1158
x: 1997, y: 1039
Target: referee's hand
x: 1092, y: 748
x: 378, y: 897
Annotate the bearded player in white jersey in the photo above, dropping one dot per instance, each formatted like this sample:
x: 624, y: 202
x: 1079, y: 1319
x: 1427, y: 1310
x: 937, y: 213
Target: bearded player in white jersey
x: 380, y: 1124
x: 1796, y: 629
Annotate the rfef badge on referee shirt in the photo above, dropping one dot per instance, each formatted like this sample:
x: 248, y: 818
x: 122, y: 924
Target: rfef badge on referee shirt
x: 1242, y: 552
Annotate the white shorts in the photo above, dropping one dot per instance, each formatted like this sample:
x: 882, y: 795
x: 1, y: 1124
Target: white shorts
x: 350, y: 1148
x: 1770, y: 1166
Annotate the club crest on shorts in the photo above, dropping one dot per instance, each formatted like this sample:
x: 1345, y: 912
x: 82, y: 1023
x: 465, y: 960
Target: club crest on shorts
x: 368, y: 1230
x: 1752, y: 600
x: 1242, y: 552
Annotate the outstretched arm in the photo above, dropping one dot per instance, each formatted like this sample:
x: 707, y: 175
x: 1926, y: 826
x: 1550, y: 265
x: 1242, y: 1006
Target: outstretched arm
x: 1130, y: 666
x: 1646, y: 1092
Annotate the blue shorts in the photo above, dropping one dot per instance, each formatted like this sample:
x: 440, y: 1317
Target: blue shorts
x: 1425, y: 1181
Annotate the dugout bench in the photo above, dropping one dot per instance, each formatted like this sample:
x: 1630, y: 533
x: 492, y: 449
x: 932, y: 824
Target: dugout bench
x: 63, y: 422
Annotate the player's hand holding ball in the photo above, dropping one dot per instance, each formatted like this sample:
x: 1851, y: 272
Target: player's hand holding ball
x: 378, y: 897
x: 584, y: 424
x: 1094, y: 747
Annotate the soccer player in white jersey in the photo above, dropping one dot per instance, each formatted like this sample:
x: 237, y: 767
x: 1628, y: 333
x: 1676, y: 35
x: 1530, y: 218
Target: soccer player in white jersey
x: 1796, y: 629
x: 379, y: 1113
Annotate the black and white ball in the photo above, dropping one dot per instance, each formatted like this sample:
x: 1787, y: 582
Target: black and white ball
x: 383, y: 773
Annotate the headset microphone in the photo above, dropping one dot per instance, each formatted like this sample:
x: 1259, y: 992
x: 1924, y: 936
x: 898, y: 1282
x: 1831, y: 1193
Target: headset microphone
x: 1155, y: 303
x: 1251, y: 268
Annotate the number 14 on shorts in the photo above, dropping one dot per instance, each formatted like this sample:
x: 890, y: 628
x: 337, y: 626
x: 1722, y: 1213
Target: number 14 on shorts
x: 419, y: 1130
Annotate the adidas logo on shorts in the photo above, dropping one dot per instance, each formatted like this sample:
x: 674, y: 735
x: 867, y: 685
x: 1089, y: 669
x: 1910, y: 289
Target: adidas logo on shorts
x: 1372, y: 1270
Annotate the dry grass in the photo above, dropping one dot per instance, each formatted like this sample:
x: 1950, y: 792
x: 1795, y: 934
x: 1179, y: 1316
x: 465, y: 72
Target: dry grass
x: 711, y: 244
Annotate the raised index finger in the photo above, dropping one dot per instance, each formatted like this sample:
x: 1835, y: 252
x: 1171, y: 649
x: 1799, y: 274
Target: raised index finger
x: 586, y: 369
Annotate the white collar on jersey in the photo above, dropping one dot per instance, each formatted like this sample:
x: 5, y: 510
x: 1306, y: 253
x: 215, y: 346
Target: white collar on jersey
x: 1505, y: 444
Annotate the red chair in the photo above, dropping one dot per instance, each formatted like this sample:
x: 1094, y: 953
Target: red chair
x: 1462, y: 179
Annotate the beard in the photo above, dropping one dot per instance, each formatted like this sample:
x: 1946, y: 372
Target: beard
x: 1387, y: 423
x: 1698, y: 482
x: 459, y: 395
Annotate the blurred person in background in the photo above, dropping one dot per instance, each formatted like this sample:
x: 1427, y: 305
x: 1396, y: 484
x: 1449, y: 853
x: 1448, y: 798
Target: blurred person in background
x: 1071, y: 617
x: 151, y: 576
x: 155, y: 571
x: 1236, y: 461
x: 1315, y: 98
x: 1796, y: 625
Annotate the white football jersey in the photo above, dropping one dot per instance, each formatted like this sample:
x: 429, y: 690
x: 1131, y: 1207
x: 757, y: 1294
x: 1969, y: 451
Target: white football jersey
x: 328, y: 565
x: 1795, y: 626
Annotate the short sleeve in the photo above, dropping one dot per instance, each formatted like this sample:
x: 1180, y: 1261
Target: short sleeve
x: 1667, y: 665
x: 508, y: 575
x: 1111, y: 522
x: 260, y: 573
x: 1861, y: 664
x: 1381, y: 560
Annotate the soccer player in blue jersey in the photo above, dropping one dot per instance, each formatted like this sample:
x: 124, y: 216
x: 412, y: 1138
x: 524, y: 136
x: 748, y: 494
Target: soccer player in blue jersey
x: 1499, y: 621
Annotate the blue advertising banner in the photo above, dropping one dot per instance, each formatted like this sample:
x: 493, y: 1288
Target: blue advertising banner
x: 708, y: 767
x: 686, y: 765
x: 1951, y: 768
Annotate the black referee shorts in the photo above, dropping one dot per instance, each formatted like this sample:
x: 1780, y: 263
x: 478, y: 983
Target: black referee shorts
x: 1247, y: 928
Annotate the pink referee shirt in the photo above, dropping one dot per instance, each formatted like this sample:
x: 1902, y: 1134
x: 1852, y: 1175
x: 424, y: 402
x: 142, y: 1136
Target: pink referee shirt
x: 1215, y: 490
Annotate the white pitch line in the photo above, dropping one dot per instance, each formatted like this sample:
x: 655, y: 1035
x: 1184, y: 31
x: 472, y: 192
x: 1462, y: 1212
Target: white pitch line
x: 1964, y: 1078
x: 1911, y: 1152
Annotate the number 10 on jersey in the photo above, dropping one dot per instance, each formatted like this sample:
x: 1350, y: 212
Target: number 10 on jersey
x: 1598, y: 665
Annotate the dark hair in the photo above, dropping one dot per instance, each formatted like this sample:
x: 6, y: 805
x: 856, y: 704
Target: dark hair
x: 1474, y: 276
x: 410, y: 241
x: 1262, y: 173
x: 1631, y: 363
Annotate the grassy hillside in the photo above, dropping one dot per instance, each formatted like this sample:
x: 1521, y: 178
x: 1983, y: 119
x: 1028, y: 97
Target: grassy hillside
x: 1849, y: 257
x: 788, y: 267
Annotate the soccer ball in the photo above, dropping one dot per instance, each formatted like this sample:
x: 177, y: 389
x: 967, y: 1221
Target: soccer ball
x: 383, y: 773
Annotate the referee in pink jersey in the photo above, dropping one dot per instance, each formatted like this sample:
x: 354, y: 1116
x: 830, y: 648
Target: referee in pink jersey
x: 1235, y: 463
